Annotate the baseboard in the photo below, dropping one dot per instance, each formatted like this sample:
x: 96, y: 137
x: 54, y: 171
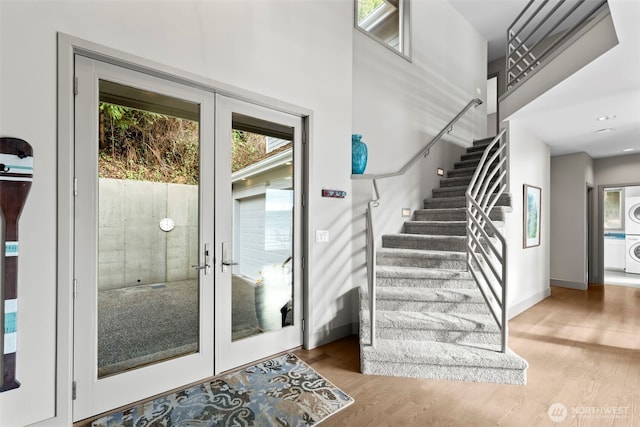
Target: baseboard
x: 326, y: 336
x: 581, y: 286
x: 528, y: 303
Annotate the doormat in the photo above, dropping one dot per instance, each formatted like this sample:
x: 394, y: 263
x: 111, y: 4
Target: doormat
x: 283, y: 391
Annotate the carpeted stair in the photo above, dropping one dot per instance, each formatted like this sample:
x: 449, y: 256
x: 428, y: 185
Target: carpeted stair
x: 431, y: 319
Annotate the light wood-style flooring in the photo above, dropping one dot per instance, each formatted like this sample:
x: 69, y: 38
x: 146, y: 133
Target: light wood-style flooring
x: 583, y: 349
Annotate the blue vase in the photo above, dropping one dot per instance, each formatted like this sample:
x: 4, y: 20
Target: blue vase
x: 358, y: 154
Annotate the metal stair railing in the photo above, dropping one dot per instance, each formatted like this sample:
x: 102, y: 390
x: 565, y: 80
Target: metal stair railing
x: 542, y: 23
x: 375, y: 202
x: 486, y: 245
x: 526, y: 56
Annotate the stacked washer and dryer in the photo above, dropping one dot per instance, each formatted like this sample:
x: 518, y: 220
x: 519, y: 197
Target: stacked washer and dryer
x: 632, y: 235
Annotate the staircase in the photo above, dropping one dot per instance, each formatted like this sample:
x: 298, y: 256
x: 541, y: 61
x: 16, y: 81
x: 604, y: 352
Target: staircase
x: 431, y: 319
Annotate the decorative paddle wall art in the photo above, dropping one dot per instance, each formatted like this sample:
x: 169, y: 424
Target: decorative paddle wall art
x: 16, y: 174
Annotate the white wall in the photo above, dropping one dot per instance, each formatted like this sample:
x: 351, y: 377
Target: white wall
x: 528, y: 275
x: 399, y: 106
x: 298, y: 52
x: 570, y: 176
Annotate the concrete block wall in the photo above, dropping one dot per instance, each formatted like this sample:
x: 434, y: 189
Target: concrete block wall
x: 132, y: 248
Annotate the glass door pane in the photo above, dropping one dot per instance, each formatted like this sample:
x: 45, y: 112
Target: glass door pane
x: 259, y: 229
x: 148, y: 187
x: 262, y: 192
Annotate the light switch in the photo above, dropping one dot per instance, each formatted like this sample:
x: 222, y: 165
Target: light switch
x: 322, y: 236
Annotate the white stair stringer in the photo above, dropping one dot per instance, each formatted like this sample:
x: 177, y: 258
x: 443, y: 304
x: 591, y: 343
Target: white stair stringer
x: 431, y: 318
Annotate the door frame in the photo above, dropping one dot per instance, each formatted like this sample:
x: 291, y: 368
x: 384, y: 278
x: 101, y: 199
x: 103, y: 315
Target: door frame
x: 588, y: 234
x: 597, y: 251
x: 68, y: 47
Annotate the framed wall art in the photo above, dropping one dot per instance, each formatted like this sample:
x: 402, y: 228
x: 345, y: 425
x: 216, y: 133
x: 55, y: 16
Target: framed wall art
x: 531, y: 220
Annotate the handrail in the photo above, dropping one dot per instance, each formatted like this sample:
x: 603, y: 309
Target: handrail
x: 375, y: 202
x: 489, y: 268
x: 530, y: 41
x: 425, y: 151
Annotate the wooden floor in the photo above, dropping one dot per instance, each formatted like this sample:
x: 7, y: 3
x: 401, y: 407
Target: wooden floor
x: 583, y: 349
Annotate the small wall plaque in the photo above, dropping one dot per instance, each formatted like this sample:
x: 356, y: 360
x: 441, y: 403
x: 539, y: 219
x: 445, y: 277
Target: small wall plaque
x: 337, y: 194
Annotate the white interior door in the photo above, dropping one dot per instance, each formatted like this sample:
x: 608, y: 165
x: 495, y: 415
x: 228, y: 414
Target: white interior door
x: 144, y: 164
x: 258, y: 232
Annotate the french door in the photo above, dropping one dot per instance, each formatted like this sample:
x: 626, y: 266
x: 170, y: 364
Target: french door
x: 143, y: 314
x: 188, y: 231
x: 259, y: 229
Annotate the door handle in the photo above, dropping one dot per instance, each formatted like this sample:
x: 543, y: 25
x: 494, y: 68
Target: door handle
x: 226, y: 262
x: 206, y: 264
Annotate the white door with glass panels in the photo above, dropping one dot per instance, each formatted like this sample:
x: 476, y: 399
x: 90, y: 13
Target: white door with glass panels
x: 166, y: 268
x: 258, y: 230
x: 143, y: 315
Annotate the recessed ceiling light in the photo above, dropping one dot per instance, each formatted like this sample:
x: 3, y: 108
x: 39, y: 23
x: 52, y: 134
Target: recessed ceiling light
x: 626, y: 150
x: 603, y: 118
x: 605, y: 130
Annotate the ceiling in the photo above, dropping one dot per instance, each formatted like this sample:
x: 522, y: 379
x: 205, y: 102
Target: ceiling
x: 566, y: 116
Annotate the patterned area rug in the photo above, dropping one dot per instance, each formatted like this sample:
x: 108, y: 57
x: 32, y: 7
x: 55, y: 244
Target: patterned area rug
x: 283, y: 391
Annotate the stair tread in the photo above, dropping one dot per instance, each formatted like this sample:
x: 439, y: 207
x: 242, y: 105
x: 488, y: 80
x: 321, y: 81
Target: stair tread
x: 467, y: 322
x: 460, y: 170
x: 455, y: 179
x: 421, y: 273
x: 427, y: 253
x: 462, y: 198
x: 453, y: 187
x: 435, y: 222
x: 476, y: 148
x: 426, y: 236
x: 441, y: 210
x: 443, y: 354
x: 453, y: 295
x: 449, y: 191
x: 483, y: 141
x: 459, y: 163
x: 455, y: 209
x: 475, y: 154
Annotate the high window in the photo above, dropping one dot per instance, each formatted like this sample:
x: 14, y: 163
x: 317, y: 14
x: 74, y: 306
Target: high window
x: 386, y: 21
